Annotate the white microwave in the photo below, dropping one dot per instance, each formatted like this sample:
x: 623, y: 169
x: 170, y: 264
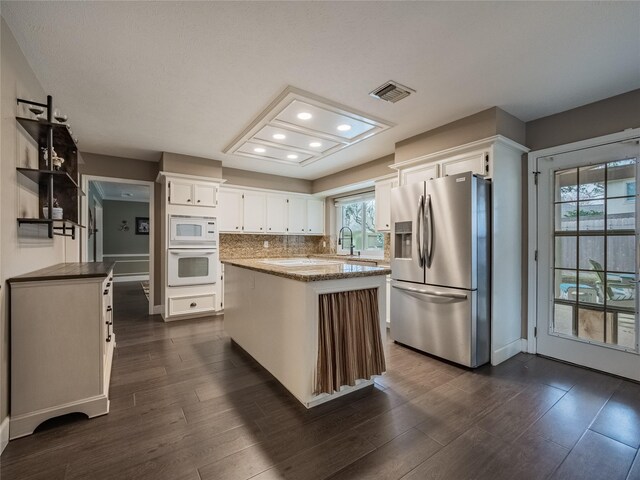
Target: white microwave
x: 191, y: 267
x: 188, y: 231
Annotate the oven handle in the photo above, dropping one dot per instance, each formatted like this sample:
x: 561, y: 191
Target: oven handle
x: 191, y: 251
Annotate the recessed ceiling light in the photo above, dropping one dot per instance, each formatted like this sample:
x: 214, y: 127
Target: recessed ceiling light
x: 304, y: 115
x: 292, y: 156
x: 259, y: 150
x: 344, y: 127
x: 279, y: 136
x: 315, y: 144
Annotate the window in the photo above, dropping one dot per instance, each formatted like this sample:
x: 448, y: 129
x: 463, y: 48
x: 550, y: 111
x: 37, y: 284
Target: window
x: 359, y: 214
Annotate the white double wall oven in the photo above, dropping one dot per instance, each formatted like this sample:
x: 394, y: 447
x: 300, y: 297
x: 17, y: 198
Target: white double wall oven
x: 192, y: 256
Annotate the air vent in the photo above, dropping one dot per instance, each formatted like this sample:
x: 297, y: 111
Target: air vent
x: 392, y: 92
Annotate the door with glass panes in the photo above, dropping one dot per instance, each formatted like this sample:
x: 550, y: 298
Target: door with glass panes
x: 587, y: 258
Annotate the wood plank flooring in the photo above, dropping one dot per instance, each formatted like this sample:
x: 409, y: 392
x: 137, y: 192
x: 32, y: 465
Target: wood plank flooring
x: 186, y: 404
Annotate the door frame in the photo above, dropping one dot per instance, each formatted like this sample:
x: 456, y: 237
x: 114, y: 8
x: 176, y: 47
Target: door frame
x: 532, y: 218
x: 84, y: 238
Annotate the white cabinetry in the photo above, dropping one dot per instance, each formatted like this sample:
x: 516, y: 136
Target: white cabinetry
x: 184, y: 192
x: 277, y: 213
x: 383, y: 204
x: 61, y: 347
x: 230, y: 211
x: 476, y: 162
x: 262, y: 211
x: 254, y: 208
x: 419, y: 173
x: 315, y: 216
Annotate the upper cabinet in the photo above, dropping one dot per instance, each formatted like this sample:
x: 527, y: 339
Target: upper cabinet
x: 230, y: 211
x: 383, y: 204
x: 476, y: 162
x: 185, y: 192
x: 263, y: 211
x: 419, y: 173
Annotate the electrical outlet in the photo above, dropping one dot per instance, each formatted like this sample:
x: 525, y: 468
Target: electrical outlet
x: 324, y: 244
x: 266, y: 244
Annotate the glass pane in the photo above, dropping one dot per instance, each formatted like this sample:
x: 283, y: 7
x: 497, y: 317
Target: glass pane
x: 591, y: 182
x: 621, y: 253
x: 591, y: 215
x: 188, y: 230
x: 621, y: 214
x: 352, y: 217
x: 621, y: 291
x: 626, y: 330
x: 621, y: 178
x: 563, y: 319
x: 566, y: 287
x: 190, y: 267
x: 591, y: 324
x: 591, y: 252
x: 566, y: 216
x: 373, y: 239
x: 566, y: 185
x: 566, y: 254
x: 589, y: 286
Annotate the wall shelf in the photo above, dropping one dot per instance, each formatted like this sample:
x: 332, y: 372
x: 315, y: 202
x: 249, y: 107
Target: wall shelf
x: 41, y: 177
x: 38, y: 130
x: 56, y: 225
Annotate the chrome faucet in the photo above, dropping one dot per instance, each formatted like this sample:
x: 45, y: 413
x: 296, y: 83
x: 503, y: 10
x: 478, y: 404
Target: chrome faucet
x: 341, y: 239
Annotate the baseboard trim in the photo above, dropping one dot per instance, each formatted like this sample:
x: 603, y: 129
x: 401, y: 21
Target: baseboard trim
x: 524, y: 345
x: 158, y: 309
x: 505, y: 353
x: 23, y: 425
x: 4, y: 434
x: 130, y: 278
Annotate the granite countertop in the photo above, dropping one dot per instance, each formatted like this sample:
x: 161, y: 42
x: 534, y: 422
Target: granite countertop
x: 309, y: 273
x: 381, y: 262
x: 67, y: 271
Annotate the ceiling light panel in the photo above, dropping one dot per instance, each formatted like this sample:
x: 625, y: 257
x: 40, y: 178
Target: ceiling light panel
x: 299, y: 128
x: 266, y: 152
x: 325, y: 121
x: 295, y: 140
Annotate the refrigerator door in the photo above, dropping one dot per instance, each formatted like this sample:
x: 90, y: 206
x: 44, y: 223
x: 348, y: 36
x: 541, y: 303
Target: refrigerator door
x: 451, y: 231
x: 407, y: 232
x: 440, y: 321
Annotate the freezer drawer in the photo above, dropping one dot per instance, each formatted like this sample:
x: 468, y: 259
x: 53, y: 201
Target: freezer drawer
x: 441, y: 321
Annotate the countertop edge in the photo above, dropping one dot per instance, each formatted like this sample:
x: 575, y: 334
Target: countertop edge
x: 42, y: 276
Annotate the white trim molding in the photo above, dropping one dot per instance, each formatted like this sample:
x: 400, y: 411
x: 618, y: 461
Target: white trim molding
x: 505, y: 353
x: 4, y: 433
x: 130, y: 278
x: 532, y: 214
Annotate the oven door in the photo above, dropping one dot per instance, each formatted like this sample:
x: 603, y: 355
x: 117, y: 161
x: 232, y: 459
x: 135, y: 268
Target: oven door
x: 191, y: 267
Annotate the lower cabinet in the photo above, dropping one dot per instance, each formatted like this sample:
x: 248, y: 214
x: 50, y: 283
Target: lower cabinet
x: 62, y: 345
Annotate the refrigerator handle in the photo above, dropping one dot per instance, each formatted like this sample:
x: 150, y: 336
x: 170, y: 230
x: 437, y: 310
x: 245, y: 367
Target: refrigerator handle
x: 428, y: 249
x: 457, y: 296
x: 419, y: 235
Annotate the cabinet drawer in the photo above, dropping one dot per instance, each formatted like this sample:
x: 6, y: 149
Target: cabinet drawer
x: 192, y: 304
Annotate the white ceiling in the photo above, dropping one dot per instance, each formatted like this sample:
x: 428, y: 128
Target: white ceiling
x: 125, y: 192
x: 138, y: 78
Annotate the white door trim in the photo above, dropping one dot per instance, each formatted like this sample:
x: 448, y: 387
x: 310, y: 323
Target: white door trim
x: 85, y: 218
x: 532, y: 214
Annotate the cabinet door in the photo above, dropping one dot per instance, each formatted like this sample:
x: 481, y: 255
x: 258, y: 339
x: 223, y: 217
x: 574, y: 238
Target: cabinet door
x: 315, y: 216
x: 254, y: 212
x: 420, y: 174
x: 297, y: 214
x: 205, y: 194
x: 476, y: 162
x: 383, y: 206
x: 230, y: 211
x: 181, y: 193
x: 277, y: 213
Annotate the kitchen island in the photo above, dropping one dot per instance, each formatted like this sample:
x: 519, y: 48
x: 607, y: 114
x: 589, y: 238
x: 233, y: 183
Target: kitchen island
x: 303, y: 319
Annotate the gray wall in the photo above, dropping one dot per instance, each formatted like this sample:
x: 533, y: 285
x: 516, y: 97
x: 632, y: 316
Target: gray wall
x: 360, y: 173
x: 117, y: 242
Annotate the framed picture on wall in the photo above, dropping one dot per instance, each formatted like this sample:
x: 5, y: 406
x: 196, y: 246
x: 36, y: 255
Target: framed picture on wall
x: 142, y: 225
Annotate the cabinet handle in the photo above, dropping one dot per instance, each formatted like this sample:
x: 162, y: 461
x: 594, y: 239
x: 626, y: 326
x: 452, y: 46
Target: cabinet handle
x: 236, y: 228
x: 109, y: 338
x: 387, y: 224
x: 110, y: 278
x: 198, y: 201
x: 109, y: 284
x: 106, y: 292
x: 193, y: 304
x: 188, y: 199
x: 260, y: 228
x: 109, y: 308
x: 269, y: 228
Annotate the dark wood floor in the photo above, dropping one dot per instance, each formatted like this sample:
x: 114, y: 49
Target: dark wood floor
x: 187, y: 405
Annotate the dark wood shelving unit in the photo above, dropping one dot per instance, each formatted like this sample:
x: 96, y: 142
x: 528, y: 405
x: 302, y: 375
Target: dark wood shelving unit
x: 61, y: 184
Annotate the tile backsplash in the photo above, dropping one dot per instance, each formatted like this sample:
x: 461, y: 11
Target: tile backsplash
x: 252, y: 246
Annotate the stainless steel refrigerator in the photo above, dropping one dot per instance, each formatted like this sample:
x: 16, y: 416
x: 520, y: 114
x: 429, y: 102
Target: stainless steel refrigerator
x: 440, y: 267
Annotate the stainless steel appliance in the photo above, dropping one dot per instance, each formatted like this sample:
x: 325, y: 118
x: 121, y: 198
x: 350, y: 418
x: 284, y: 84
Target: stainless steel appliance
x: 440, y: 252
x: 191, y: 267
x: 187, y: 231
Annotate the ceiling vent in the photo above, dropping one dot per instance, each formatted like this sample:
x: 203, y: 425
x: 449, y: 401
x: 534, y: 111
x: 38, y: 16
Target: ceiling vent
x: 391, y: 92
